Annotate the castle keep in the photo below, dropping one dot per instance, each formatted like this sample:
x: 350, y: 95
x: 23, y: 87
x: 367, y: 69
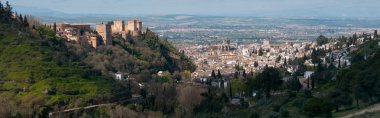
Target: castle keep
x: 104, y: 30
x: 133, y: 27
x: 103, y: 33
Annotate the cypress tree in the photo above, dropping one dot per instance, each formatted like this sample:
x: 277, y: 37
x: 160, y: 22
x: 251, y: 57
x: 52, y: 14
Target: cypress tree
x: 256, y: 64
x: 261, y: 52
x: 26, y: 23
x: 219, y: 74
x: 55, y: 27
x: 231, y: 91
x: 1, y: 10
x: 285, y: 62
x: 244, y: 74
x: 1, y: 6
x: 213, y: 74
x: 21, y: 18
x: 375, y: 34
x: 8, y: 10
x: 339, y: 63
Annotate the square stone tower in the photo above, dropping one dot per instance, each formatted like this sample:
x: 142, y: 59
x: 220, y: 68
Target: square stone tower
x: 132, y: 25
x: 92, y: 40
x: 139, y: 25
x: 104, y: 30
x: 118, y: 26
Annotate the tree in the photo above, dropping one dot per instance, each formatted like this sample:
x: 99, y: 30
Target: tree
x: 339, y: 98
x: 21, y: 18
x: 189, y: 97
x: 375, y: 34
x: 293, y: 84
x: 256, y: 64
x: 25, y: 22
x: 8, y: 10
x: 321, y: 40
x: 244, y: 74
x: 261, y: 52
x: 237, y: 86
x: 278, y: 59
x: 285, y: 62
x: 219, y: 76
x: 187, y: 74
x: 267, y: 81
x: 55, y: 27
x: 143, y: 93
x: 315, y: 58
x: 1, y: 6
x: 230, y: 90
x: 339, y: 63
x: 213, y: 74
x: 317, y: 107
x: 312, y: 79
x: 237, y: 67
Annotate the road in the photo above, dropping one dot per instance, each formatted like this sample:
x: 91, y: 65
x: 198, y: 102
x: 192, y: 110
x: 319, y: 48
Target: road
x: 89, y: 107
x: 78, y: 108
x: 123, y: 101
x: 373, y: 108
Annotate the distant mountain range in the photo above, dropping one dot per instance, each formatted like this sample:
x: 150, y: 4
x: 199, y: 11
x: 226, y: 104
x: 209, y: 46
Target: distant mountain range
x: 50, y: 16
x: 35, y: 11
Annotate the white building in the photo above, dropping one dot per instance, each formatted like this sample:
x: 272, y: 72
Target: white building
x: 119, y: 76
x: 308, y: 74
x: 245, y: 52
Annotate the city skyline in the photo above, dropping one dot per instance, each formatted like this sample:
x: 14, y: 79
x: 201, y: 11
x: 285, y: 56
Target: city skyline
x: 256, y: 8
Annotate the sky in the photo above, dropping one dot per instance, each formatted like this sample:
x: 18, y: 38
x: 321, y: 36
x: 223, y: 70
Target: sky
x: 272, y: 8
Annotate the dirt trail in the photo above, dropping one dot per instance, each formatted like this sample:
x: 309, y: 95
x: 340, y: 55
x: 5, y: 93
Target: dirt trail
x: 78, y: 108
x: 363, y: 111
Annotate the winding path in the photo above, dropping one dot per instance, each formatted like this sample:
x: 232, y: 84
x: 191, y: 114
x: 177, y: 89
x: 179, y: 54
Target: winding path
x: 373, y: 108
x: 51, y: 114
x: 78, y: 108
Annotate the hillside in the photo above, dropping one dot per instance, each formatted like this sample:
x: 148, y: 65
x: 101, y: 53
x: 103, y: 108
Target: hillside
x: 138, y: 57
x: 40, y: 73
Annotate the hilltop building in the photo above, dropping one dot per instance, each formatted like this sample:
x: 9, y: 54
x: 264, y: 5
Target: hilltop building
x: 92, y: 39
x: 103, y: 33
x: 133, y: 27
x: 61, y: 27
x: 118, y: 26
x: 70, y: 32
x: 104, y: 30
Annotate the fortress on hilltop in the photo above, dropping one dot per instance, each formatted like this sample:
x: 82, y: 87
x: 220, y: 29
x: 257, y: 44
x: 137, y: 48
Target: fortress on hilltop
x: 101, y: 35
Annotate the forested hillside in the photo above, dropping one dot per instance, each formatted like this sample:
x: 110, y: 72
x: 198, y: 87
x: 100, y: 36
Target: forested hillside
x: 40, y: 73
x: 139, y: 57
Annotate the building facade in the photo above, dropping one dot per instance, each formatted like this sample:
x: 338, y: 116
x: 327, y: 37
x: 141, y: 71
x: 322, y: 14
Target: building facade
x: 105, y: 32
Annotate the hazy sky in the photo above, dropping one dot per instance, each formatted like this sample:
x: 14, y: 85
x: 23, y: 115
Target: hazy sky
x: 280, y: 8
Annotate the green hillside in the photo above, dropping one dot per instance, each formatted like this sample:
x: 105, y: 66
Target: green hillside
x: 139, y: 57
x: 40, y: 73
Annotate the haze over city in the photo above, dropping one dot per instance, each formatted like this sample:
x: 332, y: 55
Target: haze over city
x: 256, y: 8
